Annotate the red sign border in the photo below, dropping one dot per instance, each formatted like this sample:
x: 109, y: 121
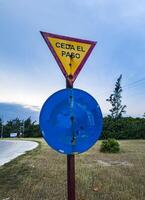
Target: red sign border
x: 45, y: 35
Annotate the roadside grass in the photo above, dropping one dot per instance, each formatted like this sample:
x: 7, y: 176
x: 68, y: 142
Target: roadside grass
x: 41, y: 174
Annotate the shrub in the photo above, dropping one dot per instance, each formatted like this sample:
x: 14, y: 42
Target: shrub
x: 110, y: 146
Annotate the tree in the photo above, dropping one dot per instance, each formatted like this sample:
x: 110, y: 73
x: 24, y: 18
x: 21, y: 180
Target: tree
x: 31, y: 129
x: 0, y: 123
x: 12, y: 126
x: 1, y: 127
x: 27, y: 127
x: 115, y: 99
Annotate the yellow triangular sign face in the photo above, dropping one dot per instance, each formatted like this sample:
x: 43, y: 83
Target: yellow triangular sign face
x: 70, y: 53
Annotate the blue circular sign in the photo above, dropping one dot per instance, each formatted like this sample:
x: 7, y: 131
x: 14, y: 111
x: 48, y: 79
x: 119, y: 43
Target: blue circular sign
x: 71, y: 121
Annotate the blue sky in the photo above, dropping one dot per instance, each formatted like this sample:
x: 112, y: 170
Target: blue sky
x: 28, y: 71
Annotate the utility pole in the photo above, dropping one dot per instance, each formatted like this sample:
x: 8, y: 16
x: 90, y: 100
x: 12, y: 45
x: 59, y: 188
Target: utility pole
x: 2, y: 127
x: 23, y: 127
x: 2, y: 130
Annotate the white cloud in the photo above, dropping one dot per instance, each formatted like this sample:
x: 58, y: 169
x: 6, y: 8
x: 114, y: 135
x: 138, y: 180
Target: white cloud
x: 34, y: 108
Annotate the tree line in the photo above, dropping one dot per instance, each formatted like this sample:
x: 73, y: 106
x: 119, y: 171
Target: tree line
x: 23, y: 128
x: 123, y: 128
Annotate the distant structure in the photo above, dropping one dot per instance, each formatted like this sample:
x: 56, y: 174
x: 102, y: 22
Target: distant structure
x: 13, y: 135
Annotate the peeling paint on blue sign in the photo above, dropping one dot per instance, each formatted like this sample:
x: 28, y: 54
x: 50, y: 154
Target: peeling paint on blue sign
x: 71, y: 121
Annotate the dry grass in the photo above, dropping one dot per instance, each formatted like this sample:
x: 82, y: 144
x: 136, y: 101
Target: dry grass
x: 41, y: 175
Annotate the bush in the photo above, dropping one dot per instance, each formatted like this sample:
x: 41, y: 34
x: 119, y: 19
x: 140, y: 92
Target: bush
x: 110, y: 146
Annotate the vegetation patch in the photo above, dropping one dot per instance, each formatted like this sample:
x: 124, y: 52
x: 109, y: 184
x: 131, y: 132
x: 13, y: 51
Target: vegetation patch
x: 110, y: 146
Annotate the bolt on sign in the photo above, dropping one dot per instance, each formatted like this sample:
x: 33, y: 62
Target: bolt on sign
x: 70, y: 53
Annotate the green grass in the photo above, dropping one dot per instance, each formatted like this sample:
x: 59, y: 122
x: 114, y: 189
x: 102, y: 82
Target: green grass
x: 41, y: 175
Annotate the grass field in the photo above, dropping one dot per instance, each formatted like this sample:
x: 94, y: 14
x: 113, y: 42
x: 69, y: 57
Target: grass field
x: 41, y: 174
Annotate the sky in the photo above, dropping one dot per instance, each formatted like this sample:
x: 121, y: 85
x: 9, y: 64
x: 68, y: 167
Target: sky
x: 10, y: 111
x: 28, y: 72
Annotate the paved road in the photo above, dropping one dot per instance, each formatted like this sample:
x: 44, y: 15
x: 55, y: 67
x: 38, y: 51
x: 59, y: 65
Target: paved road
x: 10, y: 149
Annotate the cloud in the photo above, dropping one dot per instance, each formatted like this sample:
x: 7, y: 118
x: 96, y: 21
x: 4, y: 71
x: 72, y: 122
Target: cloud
x: 33, y: 108
x: 9, y: 111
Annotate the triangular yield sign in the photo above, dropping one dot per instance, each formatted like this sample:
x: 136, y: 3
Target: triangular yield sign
x: 70, y: 53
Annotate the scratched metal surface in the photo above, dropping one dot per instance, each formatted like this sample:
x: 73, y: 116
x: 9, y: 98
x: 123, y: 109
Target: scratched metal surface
x: 71, y: 121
